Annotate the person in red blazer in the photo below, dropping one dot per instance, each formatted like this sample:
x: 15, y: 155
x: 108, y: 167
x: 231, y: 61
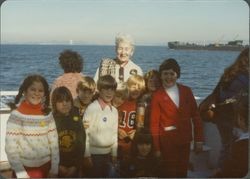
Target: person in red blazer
x: 174, y: 111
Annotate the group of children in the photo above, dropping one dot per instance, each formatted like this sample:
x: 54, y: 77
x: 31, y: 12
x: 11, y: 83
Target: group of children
x: 79, y: 137
x: 109, y: 129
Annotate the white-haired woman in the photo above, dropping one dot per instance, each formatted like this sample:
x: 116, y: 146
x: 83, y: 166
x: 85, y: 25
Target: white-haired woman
x: 122, y: 67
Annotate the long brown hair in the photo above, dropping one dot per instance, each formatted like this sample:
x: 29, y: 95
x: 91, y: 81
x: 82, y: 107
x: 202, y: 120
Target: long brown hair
x: 241, y: 65
x: 27, y: 82
x: 60, y: 94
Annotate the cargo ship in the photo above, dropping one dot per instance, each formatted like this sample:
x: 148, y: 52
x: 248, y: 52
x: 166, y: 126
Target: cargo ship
x: 236, y: 45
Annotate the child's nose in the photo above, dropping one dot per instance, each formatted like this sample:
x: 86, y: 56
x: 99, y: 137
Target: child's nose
x: 64, y: 102
x: 110, y: 90
x: 37, y: 92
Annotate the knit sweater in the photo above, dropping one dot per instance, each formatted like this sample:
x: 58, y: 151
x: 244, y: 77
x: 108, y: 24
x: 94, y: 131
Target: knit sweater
x: 31, y: 141
x: 68, y: 80
x: 101, y: 136
x: 71, y: 138
x: 129, y: 69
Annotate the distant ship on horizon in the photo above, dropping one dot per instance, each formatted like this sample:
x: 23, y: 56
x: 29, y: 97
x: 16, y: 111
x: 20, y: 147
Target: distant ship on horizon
x: 235, y: 45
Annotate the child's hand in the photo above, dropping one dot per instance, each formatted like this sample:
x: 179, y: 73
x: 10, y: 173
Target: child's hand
x: 114, y: 160
x: 51, y: 175
x: 122, y: 134
x: 158, y: 154
x: 86, y: 124
x: 71, y: 171
x: 63, y: 170
x: 198, y: 147
x: 87, y: 163
x: 131, y: 134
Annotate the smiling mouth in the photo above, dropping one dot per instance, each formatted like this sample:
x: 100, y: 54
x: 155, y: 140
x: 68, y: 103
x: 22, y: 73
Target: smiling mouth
x: 35, y: 98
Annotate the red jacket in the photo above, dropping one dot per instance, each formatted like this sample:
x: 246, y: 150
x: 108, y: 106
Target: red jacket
x: 165, y: 113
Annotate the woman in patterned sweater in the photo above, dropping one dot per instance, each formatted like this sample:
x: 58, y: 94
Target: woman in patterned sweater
x: 31, y: 136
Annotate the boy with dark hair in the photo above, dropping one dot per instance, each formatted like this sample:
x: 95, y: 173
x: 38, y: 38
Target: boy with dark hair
x: 173, y: 111
x: 72, y: 65
x: 101, y: 141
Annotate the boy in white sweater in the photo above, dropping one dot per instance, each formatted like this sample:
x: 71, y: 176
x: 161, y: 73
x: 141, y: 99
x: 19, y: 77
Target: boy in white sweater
x: 101, y: 135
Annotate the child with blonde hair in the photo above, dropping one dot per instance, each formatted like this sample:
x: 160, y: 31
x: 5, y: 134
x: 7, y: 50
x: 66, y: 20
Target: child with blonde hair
x: 127, y: 115
x: 152, y: 82
x: 121, y: 94
x: 85, y: 91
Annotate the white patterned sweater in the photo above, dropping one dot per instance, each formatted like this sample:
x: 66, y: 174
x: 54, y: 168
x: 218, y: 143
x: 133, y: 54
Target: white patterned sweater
x: 31, y: 140
x: 102, y: 133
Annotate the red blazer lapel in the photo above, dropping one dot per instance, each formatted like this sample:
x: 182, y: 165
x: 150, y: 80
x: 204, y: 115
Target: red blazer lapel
x: 181, y: 97
x: 168, y: 98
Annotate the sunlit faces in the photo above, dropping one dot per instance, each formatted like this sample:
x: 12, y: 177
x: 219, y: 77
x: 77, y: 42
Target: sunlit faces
x: 144, y: 149
x: 85, y: 96
x: 118, y: 100
x: 134, y: 91
x: 153, y: 83
x: 169, y: 78
x: 63, y: 106
x: 35, y: 93
x: 124, y: 51
x: 107, y: 95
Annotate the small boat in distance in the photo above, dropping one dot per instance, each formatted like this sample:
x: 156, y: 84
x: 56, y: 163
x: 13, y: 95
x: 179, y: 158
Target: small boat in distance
x: 236, y: 45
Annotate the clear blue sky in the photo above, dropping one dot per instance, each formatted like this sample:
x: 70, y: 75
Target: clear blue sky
x: 148, y: 21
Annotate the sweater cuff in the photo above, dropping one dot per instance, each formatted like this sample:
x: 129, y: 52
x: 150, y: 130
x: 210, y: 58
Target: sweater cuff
x: 54, y: 169
x: 87, y: 152
x: 22, y: 174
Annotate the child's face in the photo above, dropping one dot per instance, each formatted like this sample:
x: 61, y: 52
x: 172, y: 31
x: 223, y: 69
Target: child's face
x: 85, y: 96
x: 153, y: 83
x: 169, y: 78
x: 107, y: 95
x: 144, y: 149
x: 63, y: 107
x: 134, y: 91
x: 35, y: 93
x: 118, y: 100
x: 240, y: 123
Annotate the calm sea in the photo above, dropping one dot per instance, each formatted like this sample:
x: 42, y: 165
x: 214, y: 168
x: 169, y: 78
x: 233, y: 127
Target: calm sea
x: 200, y: 70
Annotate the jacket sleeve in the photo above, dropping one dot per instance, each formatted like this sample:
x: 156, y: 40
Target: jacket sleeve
x: 196, y: 120
x: 155, y: 122
x: 96, y: 77
x: 86, y: 118
x: 54, y: 146
x: 12, y: 148
x: 115, y: 135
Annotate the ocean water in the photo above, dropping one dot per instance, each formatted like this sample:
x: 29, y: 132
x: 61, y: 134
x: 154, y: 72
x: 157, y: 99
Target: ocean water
x: 200, y: 70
